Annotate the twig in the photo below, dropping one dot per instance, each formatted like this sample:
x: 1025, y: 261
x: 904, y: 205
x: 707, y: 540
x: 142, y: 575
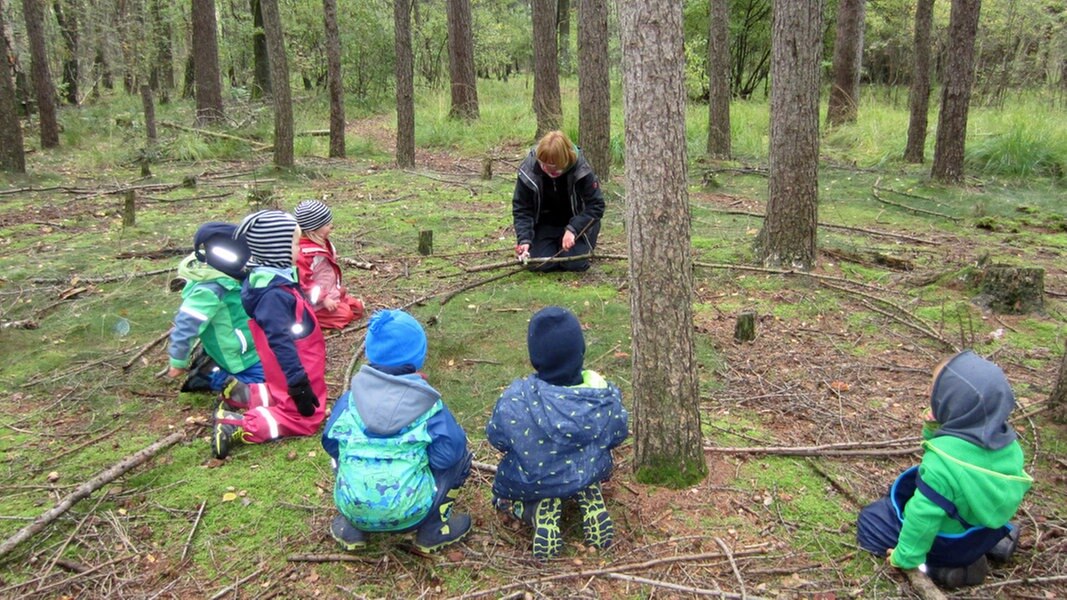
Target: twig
x: 826, y: 450
x: 68, y: 579
x: 876, y: 188
x: 876, y: 232
x: 225, y: 136
x: 146, y: 348
x: 488, y: 468
x: 236, y: 584
x: 456, y: 292
x: 924, y: 586
x: 70, y: 537
x: 1021, y: 581
x: 680, y: 588
x: 87, y: 488
x: 196, y: 523
x: 847, y: 493
x: 733, y: 565
x: 530, y: 261
x: 107, y: 279
x: 324, y: 558
x: 103, y: 436
x: 397, y: 199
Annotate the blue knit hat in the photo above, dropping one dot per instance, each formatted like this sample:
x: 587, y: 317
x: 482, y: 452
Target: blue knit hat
x: 214, y: 244
x: 395, y: 339
x: 557, y: 347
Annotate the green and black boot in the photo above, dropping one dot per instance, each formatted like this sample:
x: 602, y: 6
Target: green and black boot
x: 226, y: 433
x: 596, y: 521
x: 443, y: 529
x: 545, y: 514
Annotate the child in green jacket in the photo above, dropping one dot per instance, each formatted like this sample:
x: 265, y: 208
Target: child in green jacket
x: 950, y: 513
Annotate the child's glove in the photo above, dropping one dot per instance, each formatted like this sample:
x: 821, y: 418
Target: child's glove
x: 305, y: 398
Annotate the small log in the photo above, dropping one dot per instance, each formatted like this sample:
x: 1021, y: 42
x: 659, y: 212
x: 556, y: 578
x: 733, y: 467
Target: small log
x: 924, y: 586
x: 487, y: 169
x: 1012, y: 290
x: 129, y: 209
x: 426, y: 242
x: 745, y: 329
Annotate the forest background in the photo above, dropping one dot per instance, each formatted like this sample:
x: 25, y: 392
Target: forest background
x: 836, y: 374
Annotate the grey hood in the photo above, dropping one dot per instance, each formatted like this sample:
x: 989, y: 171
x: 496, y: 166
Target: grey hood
x: 971, y: 400
x: 388, y: 403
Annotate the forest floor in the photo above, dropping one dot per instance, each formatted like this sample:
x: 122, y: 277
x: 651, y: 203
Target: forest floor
x: 838, y: 371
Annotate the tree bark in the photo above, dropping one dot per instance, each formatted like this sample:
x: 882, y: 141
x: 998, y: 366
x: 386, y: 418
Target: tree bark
x: 547, y: 103
x: 594, y: 86
x: 261, y: 72
x: 205, y: 57
x: 162, y: 73
x: 41, y: 74
x: 405, y: 85
x: 148, y: 104
x: 787, y: 238
x: 956, y: 92
x: 848, y: 57
x: 719, y: 79
x: 461, y: 61
x: 563, y: 34
x: 279, y: 75
x: 336, y: 82
x: 12, y: 154
x: 668, y: 446
x: 919, y: 95
x: 68, y: 29
x: 1057, y: 400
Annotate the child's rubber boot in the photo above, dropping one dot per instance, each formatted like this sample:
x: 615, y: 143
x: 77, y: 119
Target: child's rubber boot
x: 235, y: 394
x: 957, y: 577
x: 546, y: 538
x: 347, y: 536
x: 443, y: 529
x: 226, y: 433
x: 1005, y: 548
x: 596, y: 521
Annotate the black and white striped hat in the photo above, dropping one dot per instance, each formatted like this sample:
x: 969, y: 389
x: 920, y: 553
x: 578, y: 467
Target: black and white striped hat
x: 269, y: 235
x: 312, y: 215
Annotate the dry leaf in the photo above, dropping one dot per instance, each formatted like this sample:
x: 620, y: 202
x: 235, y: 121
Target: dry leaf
x: 839, y: 386
x: 53, y: 476
x: 229, y: 497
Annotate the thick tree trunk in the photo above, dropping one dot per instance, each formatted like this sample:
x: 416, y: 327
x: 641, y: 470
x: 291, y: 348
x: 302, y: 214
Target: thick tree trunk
x: 546, y: 97
x: 405, y: 85
x: 594, y: 86
x: 563, y: 35
x: 788, y: 236
x: 336, y: 82
x: 42, y: 75
x: 461, y: 61
x: 1057, y: 400
x: 208, y: 88
x: 279, y: 75
x: 261, y: 71
x: 12, y: 155
x: 668, y: 448
x: 956, y: 92
x: 848, y: 57
x: 67, y: 18
x: 919, y: 96
x: 719, y: 79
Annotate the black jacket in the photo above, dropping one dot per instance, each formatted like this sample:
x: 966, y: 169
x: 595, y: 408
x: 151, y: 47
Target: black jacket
x: 587, y: 201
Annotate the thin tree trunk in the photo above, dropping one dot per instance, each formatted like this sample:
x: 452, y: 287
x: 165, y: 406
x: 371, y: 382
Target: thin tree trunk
x: 667, y: 441
x: 719, y: 79
x: 848, y: 57
x: 261, y: 71
x: 546, y: 97
x: 336, y: 82
x: 461, y: 61
x: 147, y: 102
x: 12, y: 154
x: 919, y: 96
x: 68, y: 29
x: 1057, y: 400
x: 279, y: 75
x: 956, y: 92
x: 788, y: 236
x: 405, y: 85
x: 162, y: 77
x: 42, y: 75
x: 594, y: 86
x: 208, y: 80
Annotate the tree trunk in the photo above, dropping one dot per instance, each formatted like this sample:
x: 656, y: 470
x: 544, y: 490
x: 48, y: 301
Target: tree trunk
x: 149, y: 114
x: 68, y: 29
x: 189, y: 78
x: 261, y: 72
x: 162, y: 76
x: 668, y: 449
x: 563, y: 34
x: 128, y: 42
x: 919, y: 96
x: 719, y: 79
x: 848, y: 57
x: 208, y: 80
x: 42, y: 76
x: 279, y: 76
x: 1057, y: 400
x: 594, y: 86
x: 12, y: 155
x: 461, y: 61
x: 956, y: 92
x: 405, y: 85
x: 336, y: 82
x: 546, y: 97
x: 787, y: 239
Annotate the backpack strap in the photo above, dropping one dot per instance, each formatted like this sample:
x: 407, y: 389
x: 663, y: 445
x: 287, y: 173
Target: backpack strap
x: 942, y: 502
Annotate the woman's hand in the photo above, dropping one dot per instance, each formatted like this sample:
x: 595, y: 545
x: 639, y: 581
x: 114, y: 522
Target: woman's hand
x: 522, y: 251
x: 568, y: 241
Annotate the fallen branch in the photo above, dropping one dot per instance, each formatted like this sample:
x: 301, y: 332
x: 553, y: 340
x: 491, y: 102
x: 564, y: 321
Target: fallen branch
x: 236, y: 584
x: 106, y: 279
x: 924, y: 586
x: 875, y: 232
x: 325, y: 558
x: 225, y: 136
x: 681, y: 588
x: 530, y: 261
x: 196, y: 523
x: 810, y: 451
x: 876, y: 188
x: 847, y: 493
x: 456, y: 292
x: 145, y: 349
x: 733, y: 565
x: 927, y: 332
x: 73, y: 578
x: 104, y: 436
x: 488, y: 468
x: 87, y: 488
x: 1021, y: 581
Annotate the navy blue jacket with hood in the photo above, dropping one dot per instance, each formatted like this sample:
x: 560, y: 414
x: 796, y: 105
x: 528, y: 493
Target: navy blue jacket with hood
x: 587, y: 200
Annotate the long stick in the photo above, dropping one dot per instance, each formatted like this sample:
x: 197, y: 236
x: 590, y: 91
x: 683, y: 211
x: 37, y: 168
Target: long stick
x: 924, y: 586
x: 226, y: 590
x: 681, y: 588
x: 877, y: 232
x: 733, y: 565
x: 87, y: 488
x: 254, y: 143
x: 810, y: 451
x: 456, y: 292
x: 876, y: 187
x: 189, y: 540
x: 146, y: 348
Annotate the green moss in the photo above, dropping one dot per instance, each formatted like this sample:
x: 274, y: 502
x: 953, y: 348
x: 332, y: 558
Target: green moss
x: 674, y: 472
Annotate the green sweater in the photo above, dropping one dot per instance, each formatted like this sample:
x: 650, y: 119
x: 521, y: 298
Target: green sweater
x: 985, y: 485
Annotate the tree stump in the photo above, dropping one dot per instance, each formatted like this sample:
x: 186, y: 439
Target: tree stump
x: 426, y: 242
x: 1012, y: 290
x: 487, y: 169
x: 745, y: 329
x: 1057, y: 400
x: 129, y: 209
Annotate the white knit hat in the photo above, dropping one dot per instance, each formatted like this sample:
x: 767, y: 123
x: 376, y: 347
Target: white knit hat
x: 269, y: 235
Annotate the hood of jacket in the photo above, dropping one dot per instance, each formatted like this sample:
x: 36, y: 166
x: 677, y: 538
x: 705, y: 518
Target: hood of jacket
x: 388, y: 403
x: 194, y: 271
x: 971, y: 399
x: 261, y: 281
x: 570, y: 416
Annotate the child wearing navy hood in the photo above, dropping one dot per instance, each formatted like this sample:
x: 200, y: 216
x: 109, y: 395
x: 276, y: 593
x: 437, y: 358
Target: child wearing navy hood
x: 399, y: 455
x: 556, y: 429
x: 950, y: 514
